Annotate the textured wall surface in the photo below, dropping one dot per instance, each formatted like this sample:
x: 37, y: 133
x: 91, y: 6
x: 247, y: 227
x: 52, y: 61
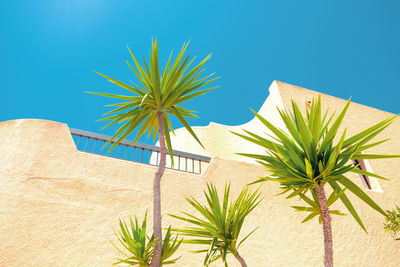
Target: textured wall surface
x: 59, y: 206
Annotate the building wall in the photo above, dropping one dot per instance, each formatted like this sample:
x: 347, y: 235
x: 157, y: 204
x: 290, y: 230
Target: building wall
x: 59, y: 206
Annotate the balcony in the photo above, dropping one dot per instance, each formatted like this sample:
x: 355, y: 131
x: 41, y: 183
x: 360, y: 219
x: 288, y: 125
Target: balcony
x: 143, y: 153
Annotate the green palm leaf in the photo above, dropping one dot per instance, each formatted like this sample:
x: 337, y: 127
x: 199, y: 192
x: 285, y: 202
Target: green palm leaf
x: 139, y: 248
x: 221, y: 223
x: 392, y: 224
x: 308, y: 156
x: 157, y: 93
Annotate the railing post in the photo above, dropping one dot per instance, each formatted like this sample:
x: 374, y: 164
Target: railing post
x: 157, y: 158
x: 101, y: 149
x: 104, y: 138
x: 94, y: 145
x: 87, y: 140
x: 199, y: 166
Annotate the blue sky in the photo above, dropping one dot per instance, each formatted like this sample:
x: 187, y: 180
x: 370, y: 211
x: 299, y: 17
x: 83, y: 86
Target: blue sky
x: 48, y: 50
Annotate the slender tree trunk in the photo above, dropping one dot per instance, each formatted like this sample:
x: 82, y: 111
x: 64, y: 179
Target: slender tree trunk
x: 157, y: 193
x: 326, y: 225
x: 241, y: 260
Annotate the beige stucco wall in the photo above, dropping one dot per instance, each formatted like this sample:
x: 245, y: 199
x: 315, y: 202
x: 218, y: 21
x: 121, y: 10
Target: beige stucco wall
x: 59, y: 206
x: 218, y: 139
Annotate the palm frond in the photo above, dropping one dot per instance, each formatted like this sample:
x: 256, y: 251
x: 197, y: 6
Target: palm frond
x: 392, y: 224
x: 220, y: 222
x: 138, y: 247
x: 307, y: 155
x: 159, y: 91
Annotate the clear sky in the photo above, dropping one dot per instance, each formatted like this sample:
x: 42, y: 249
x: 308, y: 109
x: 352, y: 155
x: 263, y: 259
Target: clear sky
x: 48, y: 50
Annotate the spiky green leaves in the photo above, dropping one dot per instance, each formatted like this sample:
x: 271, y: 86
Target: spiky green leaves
x: 307, y: 155
x: 160, y: 91
x: 392, y: 224
x: 140, y: 248
x: 219, y: 223
x: 314, y: 208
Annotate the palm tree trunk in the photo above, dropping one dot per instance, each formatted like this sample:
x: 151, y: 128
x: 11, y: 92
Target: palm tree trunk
x: 241, y: 260
x: 326, y: 225
x: 157, y: 193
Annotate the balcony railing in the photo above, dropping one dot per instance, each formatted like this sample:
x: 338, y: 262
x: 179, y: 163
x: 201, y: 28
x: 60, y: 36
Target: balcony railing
x: 143, y: 153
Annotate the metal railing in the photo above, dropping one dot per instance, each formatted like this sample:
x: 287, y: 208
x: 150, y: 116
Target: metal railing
x: 139, y: 152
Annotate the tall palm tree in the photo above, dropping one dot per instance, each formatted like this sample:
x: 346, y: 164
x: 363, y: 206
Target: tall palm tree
x: 151, y: 104
x: 220, y: 226
x: 305, y: 159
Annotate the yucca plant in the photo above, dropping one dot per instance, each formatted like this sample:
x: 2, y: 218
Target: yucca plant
x: 304, y: 158
x: 140, y: 248
x: 219, y: 223
x: 392, y: 224
x: 151, y: 104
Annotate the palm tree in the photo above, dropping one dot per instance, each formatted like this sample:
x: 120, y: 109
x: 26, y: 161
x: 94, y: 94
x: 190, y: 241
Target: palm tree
x: 221, y: 225
x: 151, y: 104
x: 140, y: 247
x: 305, y: 159
x: 392, y: 224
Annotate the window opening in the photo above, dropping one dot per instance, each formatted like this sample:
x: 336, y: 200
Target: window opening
x: 361, y: 165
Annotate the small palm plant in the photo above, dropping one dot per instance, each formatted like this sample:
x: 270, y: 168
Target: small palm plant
x: 151, y: 105
x: 305, y: 159
x: 392, y: 224
x: 220, y: 226
x: 140, y: 247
